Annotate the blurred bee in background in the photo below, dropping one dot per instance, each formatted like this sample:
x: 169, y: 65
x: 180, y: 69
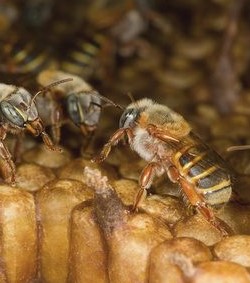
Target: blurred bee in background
x: 95, y: 52
x: 18, y: 113
x: 164, y: 139
x: 88, y: 56
x: 86, y: 47
x: 22, y: 56
x: 76, y: 101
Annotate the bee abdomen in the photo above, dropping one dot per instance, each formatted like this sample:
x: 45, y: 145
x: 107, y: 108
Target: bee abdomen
x: 200, y: 167
x: 24, y: 58
x: 82, y: 57
x: 34, y: 61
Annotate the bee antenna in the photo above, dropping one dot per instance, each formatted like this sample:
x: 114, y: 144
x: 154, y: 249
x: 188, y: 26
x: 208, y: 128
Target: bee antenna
x: 48, y: 87
x: 130, y: 95
x: 110, y: 102
x: 238, y: 147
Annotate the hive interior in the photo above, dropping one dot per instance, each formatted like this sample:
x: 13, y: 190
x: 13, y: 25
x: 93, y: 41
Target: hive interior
x: 186, y: 55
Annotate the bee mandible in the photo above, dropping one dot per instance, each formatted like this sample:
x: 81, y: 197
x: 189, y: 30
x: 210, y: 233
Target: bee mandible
x: 166, y: 141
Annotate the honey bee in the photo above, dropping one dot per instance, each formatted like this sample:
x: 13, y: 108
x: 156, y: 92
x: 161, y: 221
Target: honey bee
x: 22, y: 56
x: 75, y: 100
x: 95, y: 54
x: 18, y: 113
x: 84, y: 56
x: 165, y: 140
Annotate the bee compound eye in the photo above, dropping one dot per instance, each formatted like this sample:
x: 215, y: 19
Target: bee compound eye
x: 128, y: 117
x: 12, y: 114
x: 73, y: 109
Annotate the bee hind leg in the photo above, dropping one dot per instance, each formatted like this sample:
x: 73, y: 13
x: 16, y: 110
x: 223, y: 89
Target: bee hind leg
x: 202, y: 207
x: 197, y: 201
x: 9, y: 170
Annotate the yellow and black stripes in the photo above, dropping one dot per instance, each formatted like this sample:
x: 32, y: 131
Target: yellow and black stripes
x: 202, y: 167
x: 23, y: 57
x: 81, y: 56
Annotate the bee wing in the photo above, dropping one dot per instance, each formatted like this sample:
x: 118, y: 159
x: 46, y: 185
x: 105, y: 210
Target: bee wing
x: 192, y: 146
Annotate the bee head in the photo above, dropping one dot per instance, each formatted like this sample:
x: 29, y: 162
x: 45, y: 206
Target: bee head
x: 18, y: 108
x: 132, y: 112
x: 84, y: 108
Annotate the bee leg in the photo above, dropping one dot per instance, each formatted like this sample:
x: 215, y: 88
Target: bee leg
x: 161, y: 135
x: 17, y: 147
x: 196, y: 200
x: 83, y: 130
x: 201, y: 206
x: 140, y: 197
x: 56, y: 118
x: 87, y: 140
x: 145, y: 182
x: 10, y: 169
x: 115, y: 138
x: 48, y: 142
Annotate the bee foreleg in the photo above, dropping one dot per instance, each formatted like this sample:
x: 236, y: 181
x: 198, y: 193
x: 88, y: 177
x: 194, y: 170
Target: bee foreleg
x: 10, y: 170
x: 113, y: 141
x: 48, y: 142
x: 160, y: 134
x: 83, y: 130
x: 88, y: 138
x: 145, y: 182
x: 17, y: 147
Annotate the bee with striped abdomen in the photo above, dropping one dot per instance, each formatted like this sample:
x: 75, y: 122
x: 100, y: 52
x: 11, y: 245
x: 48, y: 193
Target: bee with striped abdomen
x: 87, y: 56
x: 164, y: 139
x: 75, y: 100
x: 22, y: 56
